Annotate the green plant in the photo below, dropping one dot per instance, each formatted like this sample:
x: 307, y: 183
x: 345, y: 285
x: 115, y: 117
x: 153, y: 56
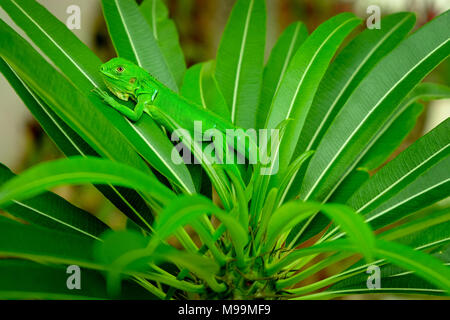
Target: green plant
x: 339, y: 121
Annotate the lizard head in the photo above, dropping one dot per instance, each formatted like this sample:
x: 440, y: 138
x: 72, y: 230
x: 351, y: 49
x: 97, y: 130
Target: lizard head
x: 121, y: 77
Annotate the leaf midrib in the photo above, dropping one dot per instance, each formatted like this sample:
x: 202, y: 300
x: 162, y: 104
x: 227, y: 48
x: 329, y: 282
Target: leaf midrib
x: 155, y: 31
x: 56, y: 220
x: 403, y: 177
x: 407, y: 199
x: 422, y: 266
x: 288, y: 56
x: 130, y: 39
x: 241, y: 56
x: 29, y: 186
x: 161, y: 158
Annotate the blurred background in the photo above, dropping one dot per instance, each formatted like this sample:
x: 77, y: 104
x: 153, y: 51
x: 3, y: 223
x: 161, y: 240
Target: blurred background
x: 200, y: 24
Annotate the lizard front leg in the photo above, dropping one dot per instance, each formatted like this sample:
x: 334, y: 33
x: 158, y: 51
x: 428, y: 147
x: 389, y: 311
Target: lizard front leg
x: 132, y: 114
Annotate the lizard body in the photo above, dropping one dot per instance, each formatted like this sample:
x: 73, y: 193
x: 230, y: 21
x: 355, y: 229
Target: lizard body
x: 127, y: 80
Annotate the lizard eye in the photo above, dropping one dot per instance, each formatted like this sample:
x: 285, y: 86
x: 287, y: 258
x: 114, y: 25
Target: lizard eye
x: 119, y: 69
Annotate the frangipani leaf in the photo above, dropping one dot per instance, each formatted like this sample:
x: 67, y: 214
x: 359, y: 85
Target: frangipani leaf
x: 240, y: 60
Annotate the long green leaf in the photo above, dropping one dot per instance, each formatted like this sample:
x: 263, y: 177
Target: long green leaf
x: 427, y: 189
x: 432, y: 186
x: 403, y: 124
x: 297, y: 89
x: 431, y: 232
x: 392, y: 138
x: 388, y: 142
x: 166, y: 35
x: 68, y: 141
x: 347, y: 188
x: 200, y: 86
x: 18, y: 281
x: 53, y: 212
x: 280, y: 57
x: 392, y: 279
x: 240, y: 59
x: 41, y: 244
x: 403, y: 170
x: 78, y: 170
x: 424, y: 265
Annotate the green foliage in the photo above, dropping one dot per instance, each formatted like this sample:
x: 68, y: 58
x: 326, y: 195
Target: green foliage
x: 339, y: 120
x: 240, y: 60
